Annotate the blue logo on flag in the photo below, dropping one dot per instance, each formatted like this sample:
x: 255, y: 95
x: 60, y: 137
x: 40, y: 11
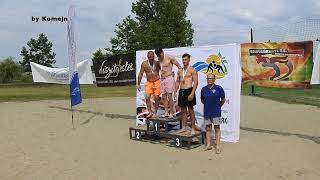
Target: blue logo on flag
x: 75, y: 93
x: 200, y: 65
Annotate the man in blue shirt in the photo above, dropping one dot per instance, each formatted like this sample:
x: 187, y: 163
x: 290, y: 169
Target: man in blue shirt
x: 212, y: 97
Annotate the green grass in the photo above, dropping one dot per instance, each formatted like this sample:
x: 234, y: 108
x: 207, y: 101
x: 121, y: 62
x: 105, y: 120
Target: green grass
x: 34, y: 92
x: 290, y: 96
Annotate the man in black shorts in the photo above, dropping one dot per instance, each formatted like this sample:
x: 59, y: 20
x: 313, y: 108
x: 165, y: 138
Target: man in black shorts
x: 187, y: 81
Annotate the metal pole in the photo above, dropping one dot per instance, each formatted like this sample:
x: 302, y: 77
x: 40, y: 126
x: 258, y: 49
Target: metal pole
x: 252, y: 86
x: 72, y: 117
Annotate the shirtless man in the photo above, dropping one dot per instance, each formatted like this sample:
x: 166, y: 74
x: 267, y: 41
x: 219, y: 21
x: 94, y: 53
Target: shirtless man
x: 187, y: 80
x: 167, y: 81
x: 152, y: 86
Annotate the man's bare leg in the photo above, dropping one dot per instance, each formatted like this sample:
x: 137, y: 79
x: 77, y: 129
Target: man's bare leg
x: 217, y: 136
x: 171, y: 105
x: 156, y: 105
x: 165, y: 103
x: 183, y: 119
x: 148, y: 102
x: 208, y: 137
x: 193, y: 119
x: 152, y: 102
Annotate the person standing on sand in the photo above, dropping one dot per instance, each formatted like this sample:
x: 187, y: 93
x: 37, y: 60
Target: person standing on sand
x: 212, y: 97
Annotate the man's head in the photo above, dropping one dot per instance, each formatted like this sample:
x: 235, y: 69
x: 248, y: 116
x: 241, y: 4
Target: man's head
x: 186, y: 59
x: 159, y: 52
x: 150, y: 55
x: 211, y: 78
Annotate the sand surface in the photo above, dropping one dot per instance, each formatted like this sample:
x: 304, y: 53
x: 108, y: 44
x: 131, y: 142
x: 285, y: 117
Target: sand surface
x: 277, y: 141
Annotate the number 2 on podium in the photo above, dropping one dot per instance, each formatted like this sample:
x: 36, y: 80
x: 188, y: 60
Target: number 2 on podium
x: 137, y: 134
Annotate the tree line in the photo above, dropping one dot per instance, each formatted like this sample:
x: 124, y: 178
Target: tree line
x: 155, y: 23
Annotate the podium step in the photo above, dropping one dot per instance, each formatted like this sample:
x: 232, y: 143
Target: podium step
x: 166, y: 119
x: 181, y: 140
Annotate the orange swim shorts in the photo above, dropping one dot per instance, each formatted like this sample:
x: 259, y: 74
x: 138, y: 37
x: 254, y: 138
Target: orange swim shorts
x: 153, y: 87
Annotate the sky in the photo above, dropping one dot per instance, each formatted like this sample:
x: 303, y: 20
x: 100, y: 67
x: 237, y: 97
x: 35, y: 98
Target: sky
x: 214, y: 22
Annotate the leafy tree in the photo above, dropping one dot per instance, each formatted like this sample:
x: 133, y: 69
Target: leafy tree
x: 99, y: 55
x: 9, y: 70
x: 157, y: 23
x: 39, y: 51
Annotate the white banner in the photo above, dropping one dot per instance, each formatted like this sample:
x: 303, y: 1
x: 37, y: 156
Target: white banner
x: 315, y: 78
x: 71, y: 41
x: 61, y: 75
x: 226, y: 67
x: 75, y: 92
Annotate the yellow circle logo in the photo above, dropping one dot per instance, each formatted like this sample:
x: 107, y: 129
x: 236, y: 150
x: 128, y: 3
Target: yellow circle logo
x: 216, y: 65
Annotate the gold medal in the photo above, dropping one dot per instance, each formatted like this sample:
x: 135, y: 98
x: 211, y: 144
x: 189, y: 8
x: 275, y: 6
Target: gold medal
x: 184, y: 72
x: 152, y: 67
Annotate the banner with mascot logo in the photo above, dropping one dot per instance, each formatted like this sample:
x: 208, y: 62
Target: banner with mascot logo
x: 224, y: 62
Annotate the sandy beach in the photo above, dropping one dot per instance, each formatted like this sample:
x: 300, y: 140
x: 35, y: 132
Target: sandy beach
x: 277, y: 141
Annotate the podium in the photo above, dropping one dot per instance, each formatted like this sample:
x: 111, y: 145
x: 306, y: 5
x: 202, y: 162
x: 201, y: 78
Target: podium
x: 166, y: 128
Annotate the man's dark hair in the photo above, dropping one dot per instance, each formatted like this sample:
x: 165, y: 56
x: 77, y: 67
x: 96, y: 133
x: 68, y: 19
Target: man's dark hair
x: 158, y: 51
x: 186, y: 55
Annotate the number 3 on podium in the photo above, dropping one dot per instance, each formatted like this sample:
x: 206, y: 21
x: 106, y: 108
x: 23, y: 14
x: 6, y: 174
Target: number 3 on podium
x: 178, y: 142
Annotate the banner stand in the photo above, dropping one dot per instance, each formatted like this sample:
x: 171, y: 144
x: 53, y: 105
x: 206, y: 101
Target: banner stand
x: 252, y: 91
x: 252, y: 86
x: 72, y: 118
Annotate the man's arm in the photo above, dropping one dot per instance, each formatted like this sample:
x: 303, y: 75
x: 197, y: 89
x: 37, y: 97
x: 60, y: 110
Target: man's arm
x: 140, y: 75
x: 223, y: 99
x: 195, y: 81
x: 175, y: 62
x: 158, y: 65
x: 202, y: 97
x: 177, y: 81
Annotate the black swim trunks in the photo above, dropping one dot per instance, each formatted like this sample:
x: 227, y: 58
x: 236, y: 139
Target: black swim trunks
x: 183, y: 98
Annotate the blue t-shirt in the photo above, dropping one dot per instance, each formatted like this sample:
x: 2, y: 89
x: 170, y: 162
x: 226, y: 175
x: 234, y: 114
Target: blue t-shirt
x: 211, y: 98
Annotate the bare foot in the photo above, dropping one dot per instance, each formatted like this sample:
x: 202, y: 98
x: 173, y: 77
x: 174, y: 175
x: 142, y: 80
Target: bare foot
x: 214, y: 145
x: 182, y: 130
x: 207, y: 148
x: 218, y: 150
x: 170, y: 117
x: 164, y: 115
x: 198, y: 129
x: 154, y: 116
x: 149, y: 115
x: 193, y: 132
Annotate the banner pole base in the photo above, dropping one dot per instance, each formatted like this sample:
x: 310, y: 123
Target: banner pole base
x: 72, y: 118
x: 252, y: 91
